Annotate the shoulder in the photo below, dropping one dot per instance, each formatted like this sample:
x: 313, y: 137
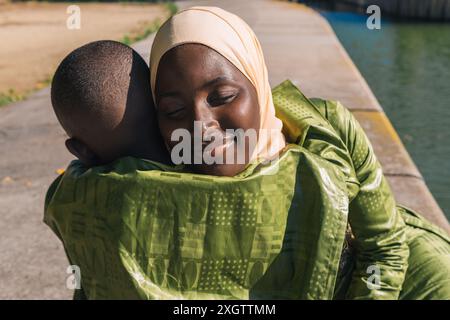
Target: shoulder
x: 288, y: 93
x: 330, y: 109
x: 52, y: 189
x: 336, y: 114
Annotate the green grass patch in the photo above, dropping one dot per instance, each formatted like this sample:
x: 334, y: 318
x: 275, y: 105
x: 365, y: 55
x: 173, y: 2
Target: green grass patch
x: 10, y: 96
x: 129, y: 39
x: 172, y: 7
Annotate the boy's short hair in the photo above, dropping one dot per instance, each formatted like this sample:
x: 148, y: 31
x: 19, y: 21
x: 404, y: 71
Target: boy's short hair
x: 90, y: 79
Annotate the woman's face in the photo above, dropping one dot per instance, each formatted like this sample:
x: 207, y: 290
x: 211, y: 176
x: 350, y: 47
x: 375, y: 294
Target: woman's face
x: 195, y: 83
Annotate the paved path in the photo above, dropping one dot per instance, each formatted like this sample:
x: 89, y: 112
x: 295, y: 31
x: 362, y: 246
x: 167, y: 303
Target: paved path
x: 298, y: 44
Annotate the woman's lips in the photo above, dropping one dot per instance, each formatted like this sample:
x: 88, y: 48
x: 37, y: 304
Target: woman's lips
x: 211, y: 135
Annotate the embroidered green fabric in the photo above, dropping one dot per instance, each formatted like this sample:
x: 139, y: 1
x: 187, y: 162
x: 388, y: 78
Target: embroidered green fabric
x: 138, y: 229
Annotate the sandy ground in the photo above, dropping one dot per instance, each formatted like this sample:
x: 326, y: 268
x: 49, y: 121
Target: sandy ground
x: 34, y: 36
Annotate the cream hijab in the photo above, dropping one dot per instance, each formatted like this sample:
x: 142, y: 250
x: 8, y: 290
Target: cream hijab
x: 230, y: 36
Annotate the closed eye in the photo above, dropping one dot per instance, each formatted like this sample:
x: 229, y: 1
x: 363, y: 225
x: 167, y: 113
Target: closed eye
x: 218, y: 101
x: 174, y: 112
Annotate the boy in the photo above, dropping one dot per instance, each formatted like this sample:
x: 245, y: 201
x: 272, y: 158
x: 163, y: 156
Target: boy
x: 101, y: 98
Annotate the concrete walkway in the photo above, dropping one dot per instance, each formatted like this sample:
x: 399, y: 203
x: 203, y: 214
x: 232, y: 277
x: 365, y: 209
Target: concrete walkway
x: 298, y: 44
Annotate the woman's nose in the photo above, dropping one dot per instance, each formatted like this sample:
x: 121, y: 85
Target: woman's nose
x: 204, y: 117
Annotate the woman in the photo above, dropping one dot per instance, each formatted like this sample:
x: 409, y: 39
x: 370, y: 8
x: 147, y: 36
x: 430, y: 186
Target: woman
x: 207, y: 65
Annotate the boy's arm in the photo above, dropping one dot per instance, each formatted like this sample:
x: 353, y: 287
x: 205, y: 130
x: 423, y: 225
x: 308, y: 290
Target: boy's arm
x: 78, y: 293
x: 377, y: 225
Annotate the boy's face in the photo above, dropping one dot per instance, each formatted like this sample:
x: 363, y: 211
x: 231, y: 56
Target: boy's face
x: 195, y: 83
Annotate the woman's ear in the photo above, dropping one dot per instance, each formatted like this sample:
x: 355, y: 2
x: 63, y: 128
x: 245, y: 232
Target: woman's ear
x: 82, y: 152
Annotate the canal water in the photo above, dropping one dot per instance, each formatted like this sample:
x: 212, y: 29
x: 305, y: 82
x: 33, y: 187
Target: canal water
x: 407, y: 66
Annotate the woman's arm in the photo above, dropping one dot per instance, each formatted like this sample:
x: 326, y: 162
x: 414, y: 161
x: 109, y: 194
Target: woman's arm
x: 374, y: 219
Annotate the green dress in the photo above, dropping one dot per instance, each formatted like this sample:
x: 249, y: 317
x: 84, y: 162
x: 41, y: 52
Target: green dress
x: 138, y: 229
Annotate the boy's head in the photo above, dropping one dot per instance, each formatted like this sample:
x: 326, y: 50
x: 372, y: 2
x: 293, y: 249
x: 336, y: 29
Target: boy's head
x: 101, y: 96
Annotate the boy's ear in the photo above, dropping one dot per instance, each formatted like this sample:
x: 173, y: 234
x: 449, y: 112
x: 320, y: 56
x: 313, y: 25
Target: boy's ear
x: 82, y: 152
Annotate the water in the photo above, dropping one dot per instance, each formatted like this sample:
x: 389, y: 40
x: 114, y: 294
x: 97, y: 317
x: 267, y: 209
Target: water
x: 407, y: 65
